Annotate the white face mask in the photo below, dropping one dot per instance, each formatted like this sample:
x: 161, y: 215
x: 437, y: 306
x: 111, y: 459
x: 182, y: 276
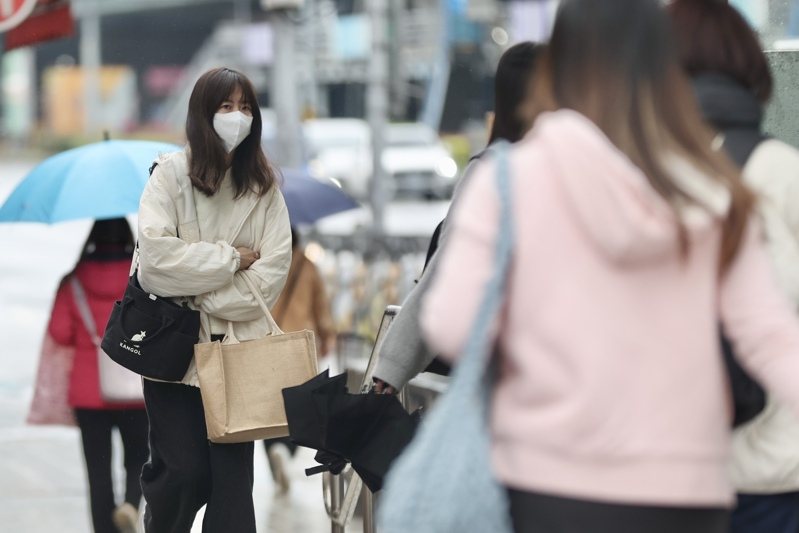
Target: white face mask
x: 232, y: 128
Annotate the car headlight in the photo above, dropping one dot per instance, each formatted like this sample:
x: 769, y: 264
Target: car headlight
x: 447, y: 168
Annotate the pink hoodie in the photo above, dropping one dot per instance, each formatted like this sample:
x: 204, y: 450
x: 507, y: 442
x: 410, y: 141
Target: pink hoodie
x: 612, y: 385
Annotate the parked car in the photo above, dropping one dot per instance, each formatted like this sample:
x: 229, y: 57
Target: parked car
x: 340, y: 149
x: 417, y: 162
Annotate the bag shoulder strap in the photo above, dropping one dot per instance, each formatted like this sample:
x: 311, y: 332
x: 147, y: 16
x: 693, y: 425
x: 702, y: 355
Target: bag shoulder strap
x: 83, y: 309
x: 256, y: 293
x: 474, y: 365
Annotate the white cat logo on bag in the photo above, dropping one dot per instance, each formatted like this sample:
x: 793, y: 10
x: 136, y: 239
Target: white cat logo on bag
x: 136, y: 338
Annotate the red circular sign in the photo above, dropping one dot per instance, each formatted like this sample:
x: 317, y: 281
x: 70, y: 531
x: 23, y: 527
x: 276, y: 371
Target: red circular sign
x: 13, y: 12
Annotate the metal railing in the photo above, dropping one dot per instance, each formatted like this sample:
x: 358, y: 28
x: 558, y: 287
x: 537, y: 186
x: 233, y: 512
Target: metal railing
x: 342, y: 492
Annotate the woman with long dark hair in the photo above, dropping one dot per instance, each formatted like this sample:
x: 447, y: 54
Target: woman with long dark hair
x: 511, y: 91
x: 632, y: 240
x: 733, y: 83
x: 212, y: 224
x: 403, y: 353
x: 97, y: 281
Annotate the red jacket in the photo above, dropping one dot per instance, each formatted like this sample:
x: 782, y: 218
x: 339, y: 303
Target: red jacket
x: 104, y: 282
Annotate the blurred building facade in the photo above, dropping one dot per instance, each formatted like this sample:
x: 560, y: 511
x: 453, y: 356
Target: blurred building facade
x: 441, y: 54
x: 165, y: 44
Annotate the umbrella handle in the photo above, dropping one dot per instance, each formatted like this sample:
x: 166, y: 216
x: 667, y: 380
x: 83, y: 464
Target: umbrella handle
x: 166, y: 322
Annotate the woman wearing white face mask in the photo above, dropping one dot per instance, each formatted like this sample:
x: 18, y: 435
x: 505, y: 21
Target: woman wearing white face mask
x: 212, y: 223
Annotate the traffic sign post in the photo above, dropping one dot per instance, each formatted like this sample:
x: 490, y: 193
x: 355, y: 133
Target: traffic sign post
x: 14, y: 12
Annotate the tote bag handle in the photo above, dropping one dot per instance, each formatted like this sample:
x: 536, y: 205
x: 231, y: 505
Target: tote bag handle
x: 230, y: 336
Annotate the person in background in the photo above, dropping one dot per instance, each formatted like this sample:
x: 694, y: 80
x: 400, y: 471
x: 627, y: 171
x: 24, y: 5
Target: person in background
x: 733, y: 83
x: 632, y: 239
x: 187, y: 256
x: 404, y: 354
x: 303, y: 304
x: 102, y: 272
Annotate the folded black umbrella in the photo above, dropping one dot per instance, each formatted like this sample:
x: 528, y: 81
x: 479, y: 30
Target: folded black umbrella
x: 367, y: 430
x: 306, y: 419
x: 370, y: 431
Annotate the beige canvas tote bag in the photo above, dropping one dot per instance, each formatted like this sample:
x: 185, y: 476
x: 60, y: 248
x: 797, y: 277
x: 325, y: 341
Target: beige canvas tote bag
x: 242, y: 382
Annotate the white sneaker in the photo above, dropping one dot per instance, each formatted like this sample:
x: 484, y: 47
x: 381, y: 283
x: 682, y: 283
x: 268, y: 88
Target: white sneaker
x: 279, y: 457
x: 126, y: 518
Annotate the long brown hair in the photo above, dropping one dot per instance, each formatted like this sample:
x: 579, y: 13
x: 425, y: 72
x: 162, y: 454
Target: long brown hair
x: 614, y: 62
x: 208, y: 158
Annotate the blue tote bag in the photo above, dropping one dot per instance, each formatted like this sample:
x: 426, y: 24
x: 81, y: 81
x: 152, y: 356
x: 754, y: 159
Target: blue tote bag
x: 443, y: 482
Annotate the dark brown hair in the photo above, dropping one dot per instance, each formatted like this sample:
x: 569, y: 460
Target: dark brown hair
x: 712, y: 36
x: 109, y: 240
x: 208, y: 158
x: 614, y: 62
x: 511, y: 83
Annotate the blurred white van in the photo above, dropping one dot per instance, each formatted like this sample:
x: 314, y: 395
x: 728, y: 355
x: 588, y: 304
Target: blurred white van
x: 417, y: 162
x: 340, y: 149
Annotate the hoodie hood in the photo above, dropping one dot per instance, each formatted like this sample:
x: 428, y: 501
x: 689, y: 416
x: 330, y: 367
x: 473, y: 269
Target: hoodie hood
x: 104, y: 280
x: 726, y: 104
x: 611, y: 198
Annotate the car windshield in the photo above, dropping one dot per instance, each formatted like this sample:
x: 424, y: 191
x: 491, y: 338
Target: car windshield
x: 398, y: 135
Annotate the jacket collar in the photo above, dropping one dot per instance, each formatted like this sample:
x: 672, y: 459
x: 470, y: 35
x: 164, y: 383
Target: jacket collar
x: 249, y: 201
x: 726, y: 103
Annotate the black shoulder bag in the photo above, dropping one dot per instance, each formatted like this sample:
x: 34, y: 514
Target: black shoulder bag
x: 150, y: 335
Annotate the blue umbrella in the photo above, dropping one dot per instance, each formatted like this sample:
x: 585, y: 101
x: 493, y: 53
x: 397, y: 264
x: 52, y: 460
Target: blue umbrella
x: 98, y: 181
x: 309, y: 199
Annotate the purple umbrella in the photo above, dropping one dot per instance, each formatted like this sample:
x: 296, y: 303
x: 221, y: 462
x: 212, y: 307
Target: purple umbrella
x: 309, y: 199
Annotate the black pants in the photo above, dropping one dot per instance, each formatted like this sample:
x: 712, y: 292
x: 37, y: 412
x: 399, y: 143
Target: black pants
x: 766, y: 513
x: 538, y: 513
x: 186, y: 471
x: 283, y: 440
x: 95, y: 430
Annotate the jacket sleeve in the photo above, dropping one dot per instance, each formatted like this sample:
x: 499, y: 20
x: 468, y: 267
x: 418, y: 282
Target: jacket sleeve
x: 62, y: 320
x: 323, y: 321
x: 466, y: 264
x: 404, y: 353
x: 760, y: 322
x: 235, y: 301
x: 773, y: 171
x: 168, y: 265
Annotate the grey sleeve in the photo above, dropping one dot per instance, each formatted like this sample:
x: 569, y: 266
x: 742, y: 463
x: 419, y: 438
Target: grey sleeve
x: 404, y: 354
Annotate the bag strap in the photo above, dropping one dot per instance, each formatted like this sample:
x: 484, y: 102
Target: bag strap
x: 136, y: 253
x: 474, y: 366
x: 256, y: 293
x: 205, y: 322
x: 83, y: 309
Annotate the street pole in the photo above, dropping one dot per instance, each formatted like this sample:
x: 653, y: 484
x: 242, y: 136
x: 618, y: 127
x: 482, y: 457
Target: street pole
x: 284, y: 99
x: 377, y: 110
x: 242, y: 11
x: 91, y: 62
x: 397, y: 76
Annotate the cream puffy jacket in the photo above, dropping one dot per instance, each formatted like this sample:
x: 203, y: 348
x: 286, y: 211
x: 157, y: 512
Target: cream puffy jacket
x: 176, y: 260
x: 765, y: 456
